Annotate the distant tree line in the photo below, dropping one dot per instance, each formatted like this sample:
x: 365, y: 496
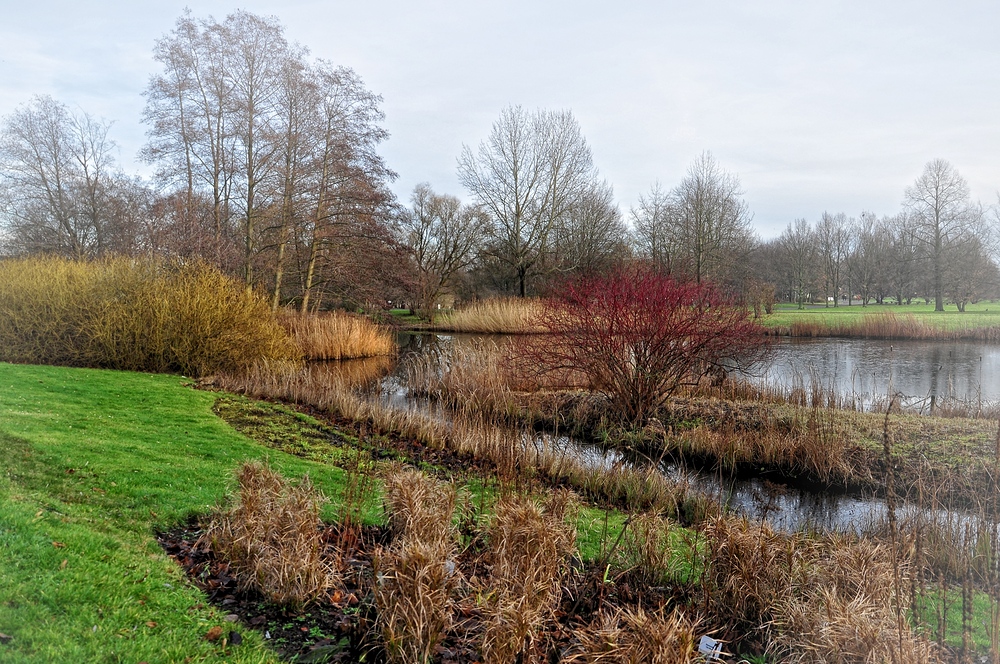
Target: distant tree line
x: 266, y: 164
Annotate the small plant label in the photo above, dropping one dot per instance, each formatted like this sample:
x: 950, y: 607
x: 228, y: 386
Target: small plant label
x: 710, y: 648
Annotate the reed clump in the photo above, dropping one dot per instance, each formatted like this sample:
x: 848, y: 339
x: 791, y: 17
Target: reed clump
x: 135, y: 315
x: 272, y: 537
x: 417, y: 578
x: 632, y: 635
x: 336, y: 335
x: 531, y: 545
x: 812, y: 598
x: 496, y: 316
x: 888, y: 325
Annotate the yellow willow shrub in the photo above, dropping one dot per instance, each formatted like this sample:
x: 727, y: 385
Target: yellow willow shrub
x: 135, y: 315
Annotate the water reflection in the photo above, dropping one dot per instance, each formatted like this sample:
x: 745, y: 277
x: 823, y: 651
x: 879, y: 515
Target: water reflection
x: 866, y: 372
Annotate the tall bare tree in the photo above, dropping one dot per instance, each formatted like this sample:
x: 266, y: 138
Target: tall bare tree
x: 591, y: 237
x: 56, y: 179
x: 527, y: 175
x: 713, y: 220
x: 442, y: 235
x: 939, y: 202
x: 833, y: 245
x: 654, y: 228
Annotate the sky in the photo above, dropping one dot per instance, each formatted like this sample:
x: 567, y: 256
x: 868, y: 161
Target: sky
x: 815, y: 106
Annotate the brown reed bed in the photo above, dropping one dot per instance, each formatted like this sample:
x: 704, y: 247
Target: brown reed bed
x: 336, y: 335
x: 509, y: 315
x: 888, y: 325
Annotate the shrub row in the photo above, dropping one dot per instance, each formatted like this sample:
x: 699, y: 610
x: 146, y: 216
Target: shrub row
x: 135, y: 315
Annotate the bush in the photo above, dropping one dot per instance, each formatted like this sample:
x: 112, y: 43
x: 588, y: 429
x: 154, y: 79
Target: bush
x: 134, y: 315
x: 638, y: 336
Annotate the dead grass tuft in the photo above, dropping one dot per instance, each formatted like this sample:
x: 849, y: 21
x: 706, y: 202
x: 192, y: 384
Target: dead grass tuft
x: 417, y: 577
x: 272, y: 537
x: 633, y: 636
x: 336, y: 335
x: 531, y: 546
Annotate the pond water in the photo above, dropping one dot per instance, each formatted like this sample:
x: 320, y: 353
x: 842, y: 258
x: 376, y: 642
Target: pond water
x: 867, y: 372
x: 859, y: 371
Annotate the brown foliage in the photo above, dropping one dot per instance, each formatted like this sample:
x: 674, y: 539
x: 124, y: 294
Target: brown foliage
x: 633, y: 636
x: 531, y: 546
x: 272, y: 537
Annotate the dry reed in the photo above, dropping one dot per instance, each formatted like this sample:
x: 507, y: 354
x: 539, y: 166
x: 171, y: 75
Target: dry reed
x: 417, y: 577
x: 272, y: 537
x: 336, y: 335
x: 511, y: 451
x: 812, y: 598
x: 633, y: 636
x: 888, y: 325
x: 530, y: 548
x: 495, y: 316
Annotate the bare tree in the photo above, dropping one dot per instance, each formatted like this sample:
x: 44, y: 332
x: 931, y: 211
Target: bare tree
x: 56, y: 172
x: 833, y: 244
x: 713, y: 220
x: 527, y: 175
x: 654, y: 227
x: 798, y: 256
x: 939, y: 202
x: 442, y: 235
x: 591, y: 237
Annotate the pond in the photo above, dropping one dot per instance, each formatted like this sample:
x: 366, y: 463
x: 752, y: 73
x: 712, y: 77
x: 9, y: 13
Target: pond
x: 866, y: 372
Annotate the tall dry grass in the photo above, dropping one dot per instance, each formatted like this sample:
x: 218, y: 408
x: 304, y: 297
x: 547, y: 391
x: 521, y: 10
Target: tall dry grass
x: 512, y: 452
x: 272, y: 537
x: 812, y: 598
x: 336, y: 335
x: 416, y: 579
x: 531, y: 545
x: 888, y: 325
x: 496, y: 316
x: 134, y: 315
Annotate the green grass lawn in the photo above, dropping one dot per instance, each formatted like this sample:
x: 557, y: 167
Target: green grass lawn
x: 95, y: 463
x: 981, y: 314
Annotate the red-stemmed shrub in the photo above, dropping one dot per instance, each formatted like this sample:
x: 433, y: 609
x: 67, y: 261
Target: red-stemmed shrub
x: 638, y: 336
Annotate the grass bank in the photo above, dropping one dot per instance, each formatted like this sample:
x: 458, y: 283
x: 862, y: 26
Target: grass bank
x: 95, y: 463
x: 912, y: 321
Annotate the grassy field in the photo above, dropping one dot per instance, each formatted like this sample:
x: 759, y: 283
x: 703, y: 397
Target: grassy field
x: 95, y: 463
x: 982, y: 314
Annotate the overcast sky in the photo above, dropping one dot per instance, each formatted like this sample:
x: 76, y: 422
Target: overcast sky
x: 830, y: 106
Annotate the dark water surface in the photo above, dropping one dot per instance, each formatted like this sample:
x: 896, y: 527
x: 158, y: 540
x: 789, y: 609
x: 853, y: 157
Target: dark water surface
x: 868, y: 371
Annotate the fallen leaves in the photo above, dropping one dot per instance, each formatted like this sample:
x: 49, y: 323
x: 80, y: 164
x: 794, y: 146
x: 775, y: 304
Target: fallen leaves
x: 213, y: 634
x: 59, y: 545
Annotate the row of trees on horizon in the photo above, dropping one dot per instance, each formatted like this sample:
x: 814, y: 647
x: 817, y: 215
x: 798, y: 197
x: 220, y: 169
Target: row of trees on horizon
x: 267, y: 165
